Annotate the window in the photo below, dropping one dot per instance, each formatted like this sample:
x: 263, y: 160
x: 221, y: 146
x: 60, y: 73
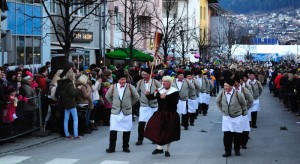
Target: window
x: 20, y: 50
x: 52, y: 6
x: 118, y: 19
x: 143, y: 23
x: 97, y: 12
x: 80, y: 10
x: 36, y: 50
x: 27, y: 50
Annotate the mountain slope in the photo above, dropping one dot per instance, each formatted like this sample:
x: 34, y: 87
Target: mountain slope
x: 250, y: 6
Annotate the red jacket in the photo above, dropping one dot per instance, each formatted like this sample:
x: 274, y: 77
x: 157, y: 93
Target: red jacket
x: 41, y: 81
x: 10, y: 111
x: 277, y: 80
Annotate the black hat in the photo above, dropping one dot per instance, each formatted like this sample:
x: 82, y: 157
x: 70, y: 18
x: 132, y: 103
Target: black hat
x: 121, y: 74
x: 251, y: 72
x: 230, y: 82
x: 237, y: 78
x: 147, y: 70
x: 187, y: 72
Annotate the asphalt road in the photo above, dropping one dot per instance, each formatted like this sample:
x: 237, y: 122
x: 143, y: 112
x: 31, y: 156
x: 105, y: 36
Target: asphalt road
x: 201, y: 144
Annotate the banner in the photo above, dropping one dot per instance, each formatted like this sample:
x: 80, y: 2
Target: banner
x: 157, y: 40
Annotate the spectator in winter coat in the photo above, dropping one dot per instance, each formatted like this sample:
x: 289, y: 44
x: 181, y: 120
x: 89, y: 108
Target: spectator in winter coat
x: 68, y: 93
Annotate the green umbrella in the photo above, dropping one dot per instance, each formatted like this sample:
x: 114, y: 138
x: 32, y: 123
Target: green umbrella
x: 117, y: 54
x: 140, y: 56
x: 122, y: 55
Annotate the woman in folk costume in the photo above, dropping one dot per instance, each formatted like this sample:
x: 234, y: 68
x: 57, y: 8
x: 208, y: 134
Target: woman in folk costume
x: 256, y: 92
x: 122, y: 96
x: 184, y: 86
x: 232, y: 104
x: 164, y: 126
x: 147, y: 107
x: 249, y: 100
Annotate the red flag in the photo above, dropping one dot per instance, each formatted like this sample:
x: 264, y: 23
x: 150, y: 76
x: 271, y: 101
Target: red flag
x: 157, y: 40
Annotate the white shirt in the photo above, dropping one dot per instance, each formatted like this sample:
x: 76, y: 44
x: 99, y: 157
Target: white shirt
x: 121, y: 90
x: 179, y: 83
x: 228, y: 96
x: 239, y: 89
x: 200, y: 81
x: 147, y: 83
x: 253, y: 82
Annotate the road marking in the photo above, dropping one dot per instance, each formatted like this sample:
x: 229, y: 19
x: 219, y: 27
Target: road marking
x: 114, y: 162
x: 10, y: 159
x: 62, y: 160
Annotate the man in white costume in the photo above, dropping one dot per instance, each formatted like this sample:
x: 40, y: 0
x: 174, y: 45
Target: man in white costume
x: 122, y: 96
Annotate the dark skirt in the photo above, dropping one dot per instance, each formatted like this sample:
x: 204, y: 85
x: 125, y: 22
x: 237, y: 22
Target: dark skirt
x: 163, y: 128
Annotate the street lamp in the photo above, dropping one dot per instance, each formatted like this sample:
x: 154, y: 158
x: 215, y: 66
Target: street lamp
x: 102, y: 26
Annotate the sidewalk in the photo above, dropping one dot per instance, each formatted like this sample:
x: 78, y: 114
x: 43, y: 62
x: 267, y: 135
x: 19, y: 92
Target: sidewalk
x: 26, y: 142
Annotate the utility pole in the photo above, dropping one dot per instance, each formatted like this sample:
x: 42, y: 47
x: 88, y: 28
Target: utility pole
x: 125, y: 23
x: 104, y: 30
x: 100, y: 33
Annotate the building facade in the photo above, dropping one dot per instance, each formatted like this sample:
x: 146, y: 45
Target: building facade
x: 26, y: 42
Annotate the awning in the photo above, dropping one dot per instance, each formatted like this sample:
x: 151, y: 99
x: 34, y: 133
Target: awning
x: 122, y: 55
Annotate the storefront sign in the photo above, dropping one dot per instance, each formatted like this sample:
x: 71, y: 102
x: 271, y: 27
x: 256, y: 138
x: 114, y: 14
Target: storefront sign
x: 83, y: 37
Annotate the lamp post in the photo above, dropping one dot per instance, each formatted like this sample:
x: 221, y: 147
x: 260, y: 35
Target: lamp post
x: 102, y: 28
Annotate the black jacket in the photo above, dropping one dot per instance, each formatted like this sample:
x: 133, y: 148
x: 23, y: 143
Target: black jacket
x: 67, y: 93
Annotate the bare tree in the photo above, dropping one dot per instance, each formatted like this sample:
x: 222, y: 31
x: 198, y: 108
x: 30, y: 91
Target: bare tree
x: 184, y: 36
x: 70, y: 17
x: 203, y: 43
x: 232, y: 33
x: 169, y: 23
x: 137, y: 27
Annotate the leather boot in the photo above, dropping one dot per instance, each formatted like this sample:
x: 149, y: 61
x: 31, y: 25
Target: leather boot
x: 141, y: 129
x: 126, y: 138
x: 112, y: 141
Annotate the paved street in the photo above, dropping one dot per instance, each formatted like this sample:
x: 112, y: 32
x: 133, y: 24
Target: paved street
x: 201, y: 144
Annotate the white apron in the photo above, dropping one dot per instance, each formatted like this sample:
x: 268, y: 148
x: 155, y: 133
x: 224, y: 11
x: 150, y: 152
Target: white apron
x: 181, y: 107
x: 207, y: 98
x: 120, y: 122
x: 192, y: 105
x: 146, y: 113
x: 232, y: 124
x: 246, y: 124
x: 254, y: 108
x: 203, y: 98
